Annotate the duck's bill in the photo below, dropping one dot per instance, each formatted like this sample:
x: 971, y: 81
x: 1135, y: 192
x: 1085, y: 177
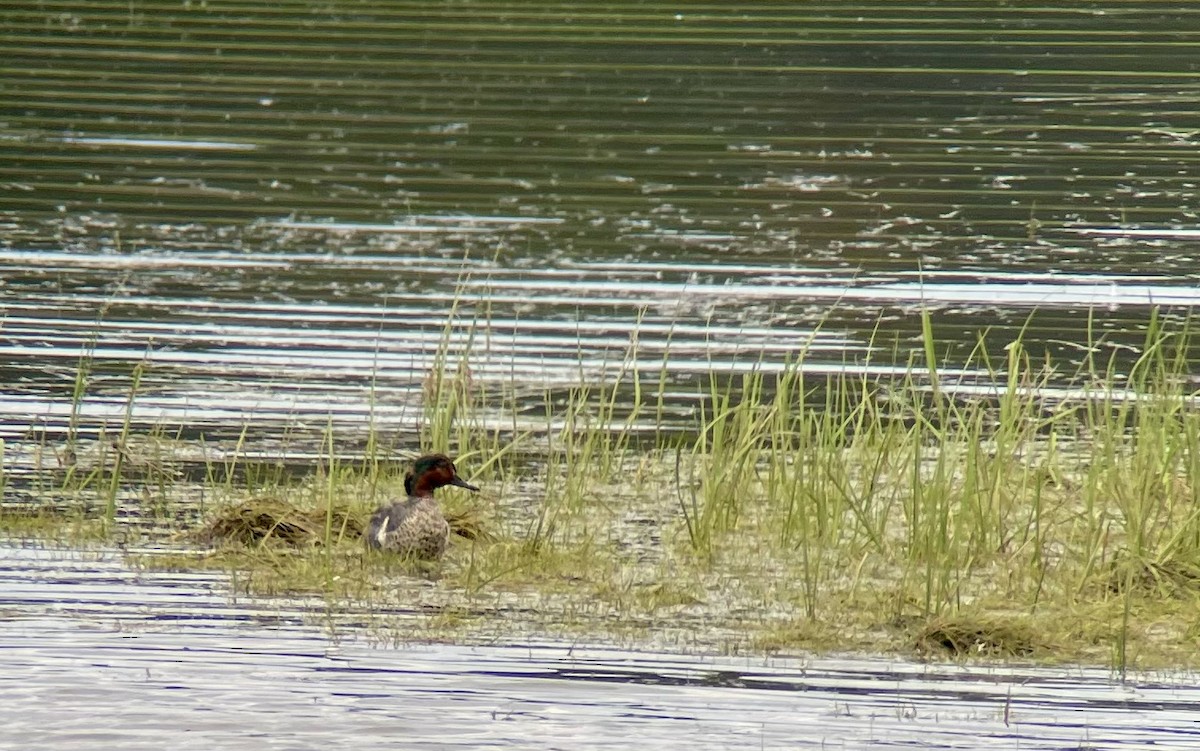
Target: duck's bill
x: 463, y: 484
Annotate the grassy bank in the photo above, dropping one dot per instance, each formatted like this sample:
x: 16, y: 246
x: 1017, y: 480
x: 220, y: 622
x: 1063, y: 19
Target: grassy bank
x: 832, y: 513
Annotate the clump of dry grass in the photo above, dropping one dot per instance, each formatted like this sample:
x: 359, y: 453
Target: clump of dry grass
x: 986, y: 635
x: 272, y: 519
x: 470, y: 525
x: 1169, y: 577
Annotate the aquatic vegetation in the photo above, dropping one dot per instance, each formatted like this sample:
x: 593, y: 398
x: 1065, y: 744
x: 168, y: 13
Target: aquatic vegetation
x: 833, y: 512
x: 990, y: 636
x: 269, y: 519
x: 49, y: 522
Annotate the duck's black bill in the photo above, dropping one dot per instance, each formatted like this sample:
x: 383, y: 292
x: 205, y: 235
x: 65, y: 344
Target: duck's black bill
x: 463, y: 484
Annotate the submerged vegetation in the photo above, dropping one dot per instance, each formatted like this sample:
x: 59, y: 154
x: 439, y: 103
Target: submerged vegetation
x: 833, y: 513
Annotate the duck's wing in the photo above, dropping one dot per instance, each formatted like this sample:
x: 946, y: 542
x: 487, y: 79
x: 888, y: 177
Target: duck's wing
x: 386, y: 521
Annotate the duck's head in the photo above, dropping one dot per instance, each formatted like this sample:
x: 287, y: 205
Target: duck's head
x: 431, y: 472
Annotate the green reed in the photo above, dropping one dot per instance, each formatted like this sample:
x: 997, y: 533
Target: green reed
x: 851, y: 500
x: 83, y: 372
x: 121, y: 456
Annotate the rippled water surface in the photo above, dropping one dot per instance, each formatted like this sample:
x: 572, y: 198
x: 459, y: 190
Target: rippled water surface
x: 240, y: 223
x: 97, y: 655
x: 279, y: 210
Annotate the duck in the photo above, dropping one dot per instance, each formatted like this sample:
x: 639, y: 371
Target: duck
x: 415, y: 526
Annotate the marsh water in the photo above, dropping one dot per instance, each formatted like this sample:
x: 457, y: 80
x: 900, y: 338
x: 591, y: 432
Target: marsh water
x: 263, y: 220
x: 95, y: 655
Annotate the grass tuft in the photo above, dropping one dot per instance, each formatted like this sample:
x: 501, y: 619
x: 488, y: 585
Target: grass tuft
x: 984, y: 502
x: 989, y: 635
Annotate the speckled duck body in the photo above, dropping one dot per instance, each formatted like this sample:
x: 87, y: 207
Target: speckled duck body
x: 415, y: 526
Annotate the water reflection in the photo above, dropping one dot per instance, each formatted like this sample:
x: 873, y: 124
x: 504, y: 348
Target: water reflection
x: 286, y: 217
x: 283, y: 340
x: 291, y: 237
x: 96, y: 653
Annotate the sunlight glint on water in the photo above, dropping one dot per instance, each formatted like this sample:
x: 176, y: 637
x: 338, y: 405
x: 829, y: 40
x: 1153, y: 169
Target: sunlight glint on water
x: 273, y: 209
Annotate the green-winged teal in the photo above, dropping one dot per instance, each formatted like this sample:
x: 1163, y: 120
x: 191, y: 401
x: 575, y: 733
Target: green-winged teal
x: 416, y: 526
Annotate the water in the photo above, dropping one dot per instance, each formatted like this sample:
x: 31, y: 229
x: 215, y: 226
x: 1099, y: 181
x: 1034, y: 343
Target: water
x: 96, y: 654
x: 276, y: 210
x: 282, y: 212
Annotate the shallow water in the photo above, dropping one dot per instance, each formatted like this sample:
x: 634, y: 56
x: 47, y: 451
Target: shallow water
x: 282, y: 212
x: 96, y: 654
